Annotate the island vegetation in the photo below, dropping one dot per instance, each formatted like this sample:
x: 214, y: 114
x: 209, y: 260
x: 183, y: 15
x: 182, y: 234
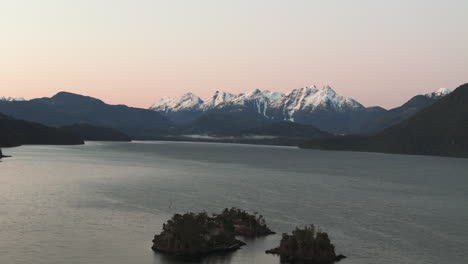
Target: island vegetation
x: 245, y: 224
x: 307, y: 244
x: 197, y: 235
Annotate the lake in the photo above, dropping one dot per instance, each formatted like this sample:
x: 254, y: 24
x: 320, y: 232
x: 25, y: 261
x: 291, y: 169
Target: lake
x: 104, y: 202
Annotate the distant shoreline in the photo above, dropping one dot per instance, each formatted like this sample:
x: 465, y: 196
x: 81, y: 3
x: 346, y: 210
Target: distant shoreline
x: 267, y: 141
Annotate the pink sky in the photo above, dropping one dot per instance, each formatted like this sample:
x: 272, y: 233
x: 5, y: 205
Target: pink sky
x: 127, y: 53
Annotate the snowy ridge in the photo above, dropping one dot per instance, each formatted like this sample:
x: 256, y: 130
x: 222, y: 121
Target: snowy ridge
x: 256, y: 98
x: 219, y: 98
x: 310, y: 98
x: 439, y: 93
x: 265, y: 102
x: 186, y: 102
x: 259, y: 100
x: 12, y: 99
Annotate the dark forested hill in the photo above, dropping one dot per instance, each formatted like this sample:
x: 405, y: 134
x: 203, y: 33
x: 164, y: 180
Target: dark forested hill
x: 18, y: 132
x: 68, y: 109
x: 440, y: 129
x: 95, y: 133
x: 226, y: 123
x: 287, y: 129
x: 398, y: 114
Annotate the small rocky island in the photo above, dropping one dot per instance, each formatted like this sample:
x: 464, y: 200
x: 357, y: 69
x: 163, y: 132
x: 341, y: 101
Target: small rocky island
x: 197, y: 235
x: 309, y: 245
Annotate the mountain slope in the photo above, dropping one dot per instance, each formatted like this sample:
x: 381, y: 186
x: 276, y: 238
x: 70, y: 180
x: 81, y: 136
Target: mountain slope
x: 192, y: 113
x: 183, y: 110
x: 308, y: 99
x: 94, y: 133
x: 286, y: 129
x: 403, y: 112
x: 18, y: 132
x: 225, y: 123
x: 254, y: 102
x: 67, y: 108
x: 324, y: 109
x: 219, y: 98
x: 186, y: 102
x: 440, y: 129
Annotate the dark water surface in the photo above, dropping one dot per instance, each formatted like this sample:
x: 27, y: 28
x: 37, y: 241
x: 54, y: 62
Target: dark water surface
x: 103, y: 202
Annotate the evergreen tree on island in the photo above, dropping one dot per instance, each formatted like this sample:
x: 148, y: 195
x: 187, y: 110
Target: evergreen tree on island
x: 307, y: 244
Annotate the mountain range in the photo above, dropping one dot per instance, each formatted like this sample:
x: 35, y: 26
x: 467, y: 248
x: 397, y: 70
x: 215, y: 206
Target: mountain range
x: 317, y: 115
x: 222, y: 114
x: 323, y: 108
x: 68, y: 109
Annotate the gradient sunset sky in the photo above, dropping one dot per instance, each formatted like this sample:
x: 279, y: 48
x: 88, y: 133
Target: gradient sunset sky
x: 135, y: 51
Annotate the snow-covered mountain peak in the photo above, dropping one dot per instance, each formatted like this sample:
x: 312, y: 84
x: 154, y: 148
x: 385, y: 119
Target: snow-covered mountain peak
x: 307, y: 89
x: 12, y: 99
x: 272, y: 96
x: 164, y: 104
x: 188, y: 101
x: 257, y: 100
x: 217, y: 99
x: 439, y: 93
x: 190, y: 97
x: 310, y: 98
x: 327, y: 90
x: 254, y: 92
x: 303, y: 100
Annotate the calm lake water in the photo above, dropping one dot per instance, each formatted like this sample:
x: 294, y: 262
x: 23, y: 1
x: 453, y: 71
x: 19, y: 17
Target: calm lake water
x: 103, y: 202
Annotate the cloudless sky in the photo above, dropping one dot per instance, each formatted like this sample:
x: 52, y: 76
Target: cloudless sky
x: 135, y: 51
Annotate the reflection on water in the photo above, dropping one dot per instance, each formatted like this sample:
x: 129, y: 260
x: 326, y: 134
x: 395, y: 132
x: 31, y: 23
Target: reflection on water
x: 253, y: 252
x: 220, y: 258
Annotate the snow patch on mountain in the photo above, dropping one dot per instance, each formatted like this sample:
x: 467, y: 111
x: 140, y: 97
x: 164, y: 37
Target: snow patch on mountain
x: 310, y: 98
x: 257, y: 99
x: 266, y: 103
x: 186, y: 102
x: 164, y: 104
x: 12, y: 99
x: 273, y: 96
x: 439, y: 93
x: 219, y: 98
